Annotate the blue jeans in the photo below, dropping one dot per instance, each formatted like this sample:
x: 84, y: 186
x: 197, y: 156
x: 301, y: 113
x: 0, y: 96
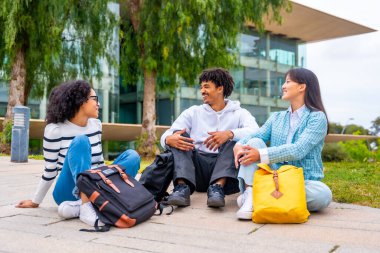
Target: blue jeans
x: 78, y: 159
x: 318, y: 195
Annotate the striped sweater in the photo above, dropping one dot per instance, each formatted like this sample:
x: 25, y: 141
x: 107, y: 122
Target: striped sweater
x: 57, y: 139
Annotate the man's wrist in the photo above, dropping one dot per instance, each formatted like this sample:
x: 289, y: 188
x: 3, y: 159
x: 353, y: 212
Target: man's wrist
x: 166, y: 140
x: 230, y: 135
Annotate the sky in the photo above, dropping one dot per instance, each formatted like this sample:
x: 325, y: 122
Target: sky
x: 348, y: 68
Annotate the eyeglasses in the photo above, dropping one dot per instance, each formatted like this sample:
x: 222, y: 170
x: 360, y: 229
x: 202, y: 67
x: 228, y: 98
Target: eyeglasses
x: 96, y: 98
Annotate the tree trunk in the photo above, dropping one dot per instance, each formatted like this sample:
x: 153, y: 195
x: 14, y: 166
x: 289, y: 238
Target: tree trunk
x: 17, y: 84
x: 148, y: 130
x: 147, y: 141
x: 27, y: 90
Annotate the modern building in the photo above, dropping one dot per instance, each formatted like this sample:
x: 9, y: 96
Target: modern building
x: 263, y: 62
x: 264, y: 59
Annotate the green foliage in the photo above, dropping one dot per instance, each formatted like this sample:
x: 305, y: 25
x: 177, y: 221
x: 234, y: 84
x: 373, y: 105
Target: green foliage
x: 35, y: 146
x: 6, y: 139
x: 180, y: 38
x: 62, y: 39
x: 354, y: 182
x: 336, y: 128
x: 333, y: 152
x: 375, y: 128
x: 356, y: 130
x: 145, y: 162
x: 144, y: 150
x: 6, y: 135
x: 357, y: 150
x: 36, y: 157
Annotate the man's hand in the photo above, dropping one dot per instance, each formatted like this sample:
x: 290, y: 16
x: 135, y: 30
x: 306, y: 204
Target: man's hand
x: 27, y: 204
x: 179, y: 142
x: 249, y: 155
x: 216, y: 139
x: 238, y: 152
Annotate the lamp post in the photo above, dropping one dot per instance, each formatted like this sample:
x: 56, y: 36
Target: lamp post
x: 345, y: 125
x: 20, y: 134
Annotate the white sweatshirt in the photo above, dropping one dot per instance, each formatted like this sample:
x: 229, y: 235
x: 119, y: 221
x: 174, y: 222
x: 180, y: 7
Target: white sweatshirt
x: 200, y: 119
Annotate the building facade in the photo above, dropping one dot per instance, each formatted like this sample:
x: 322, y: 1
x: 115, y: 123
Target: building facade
x: 264, y: 60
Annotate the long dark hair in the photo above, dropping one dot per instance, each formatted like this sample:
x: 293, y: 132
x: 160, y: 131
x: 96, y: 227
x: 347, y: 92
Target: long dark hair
x: 313, y: 99
x: 66, y: 99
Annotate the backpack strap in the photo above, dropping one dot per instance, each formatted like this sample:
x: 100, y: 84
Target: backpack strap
x: 107, y: 181
x: 104, y: 228
x: 122, y: 174
x: 160, y: 208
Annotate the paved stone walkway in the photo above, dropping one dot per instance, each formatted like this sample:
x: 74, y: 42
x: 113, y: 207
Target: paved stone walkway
x: 340, y: 228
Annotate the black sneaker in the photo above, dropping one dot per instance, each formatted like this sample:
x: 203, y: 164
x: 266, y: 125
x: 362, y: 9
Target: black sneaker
x: 180, y: 196
x: 215, y: 194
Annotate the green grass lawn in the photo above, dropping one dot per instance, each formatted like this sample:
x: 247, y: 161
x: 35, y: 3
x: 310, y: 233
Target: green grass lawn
x: 354, y: 182
x: 145, y: 162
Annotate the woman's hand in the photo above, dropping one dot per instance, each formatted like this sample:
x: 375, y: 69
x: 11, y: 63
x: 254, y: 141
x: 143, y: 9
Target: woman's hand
x: 249, y: 155
x: 27, y: 204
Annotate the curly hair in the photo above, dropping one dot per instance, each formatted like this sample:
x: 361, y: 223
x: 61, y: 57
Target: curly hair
x: 66, y: 99
x: 220, y: 77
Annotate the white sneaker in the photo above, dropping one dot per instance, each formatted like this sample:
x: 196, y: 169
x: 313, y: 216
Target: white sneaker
x: 88, y: 215
x: 245, y: 211
x: 69, y: 209
x: 240, y: 200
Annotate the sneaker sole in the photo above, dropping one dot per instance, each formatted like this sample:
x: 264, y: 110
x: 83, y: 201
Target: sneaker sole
x: 215, y: 203
x: 179, y: 202
x: 244, y: 215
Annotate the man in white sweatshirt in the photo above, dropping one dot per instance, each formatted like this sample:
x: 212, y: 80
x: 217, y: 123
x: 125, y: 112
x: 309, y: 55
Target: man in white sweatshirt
x: 202, y: 140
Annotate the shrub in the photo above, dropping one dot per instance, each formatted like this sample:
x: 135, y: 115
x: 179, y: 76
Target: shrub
x: 333, y: 152
x: 357, y: 150
x: 142, y: 149
x: 6, y: 137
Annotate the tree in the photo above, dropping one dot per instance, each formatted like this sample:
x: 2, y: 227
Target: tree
x: 45, y: 42
x: 162, y: 40
x: 375, y: 128
x: 336, y: 128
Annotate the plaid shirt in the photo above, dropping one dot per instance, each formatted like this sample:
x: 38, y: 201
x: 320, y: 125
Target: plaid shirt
x: 306, y: 146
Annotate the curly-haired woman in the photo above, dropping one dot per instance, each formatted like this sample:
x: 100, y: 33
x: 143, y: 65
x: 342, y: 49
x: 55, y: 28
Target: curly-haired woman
x: 72, y: 144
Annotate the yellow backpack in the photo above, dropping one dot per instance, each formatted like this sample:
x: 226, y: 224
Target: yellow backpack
x: 279, y: 195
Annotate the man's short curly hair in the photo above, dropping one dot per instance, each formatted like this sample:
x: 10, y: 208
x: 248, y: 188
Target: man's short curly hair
x: 66, y: 99
x: 220, y: 77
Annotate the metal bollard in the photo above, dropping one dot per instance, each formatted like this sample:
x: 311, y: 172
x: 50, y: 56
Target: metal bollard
x: 20, y: 134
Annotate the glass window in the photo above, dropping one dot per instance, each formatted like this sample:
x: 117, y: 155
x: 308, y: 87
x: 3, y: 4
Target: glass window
x: 276, y: 81
x: 251, y: 44
x: 238, y: 76
x: 283, y: 50
x: 165, y: 112
x: 255, y: 82
x: 259, y: 112
x: 128, y: 113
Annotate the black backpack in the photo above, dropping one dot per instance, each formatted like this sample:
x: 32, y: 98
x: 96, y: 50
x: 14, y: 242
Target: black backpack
x: 118, y: 199
x: 157, y: 177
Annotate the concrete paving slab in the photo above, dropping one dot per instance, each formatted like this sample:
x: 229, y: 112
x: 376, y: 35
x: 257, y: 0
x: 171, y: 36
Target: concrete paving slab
x: 340, y: 228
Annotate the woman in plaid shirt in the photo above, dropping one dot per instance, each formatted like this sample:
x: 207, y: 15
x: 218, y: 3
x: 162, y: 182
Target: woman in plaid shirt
x: 296, y: 137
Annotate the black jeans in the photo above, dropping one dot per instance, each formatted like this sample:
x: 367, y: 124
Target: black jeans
x: 200, y: 169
